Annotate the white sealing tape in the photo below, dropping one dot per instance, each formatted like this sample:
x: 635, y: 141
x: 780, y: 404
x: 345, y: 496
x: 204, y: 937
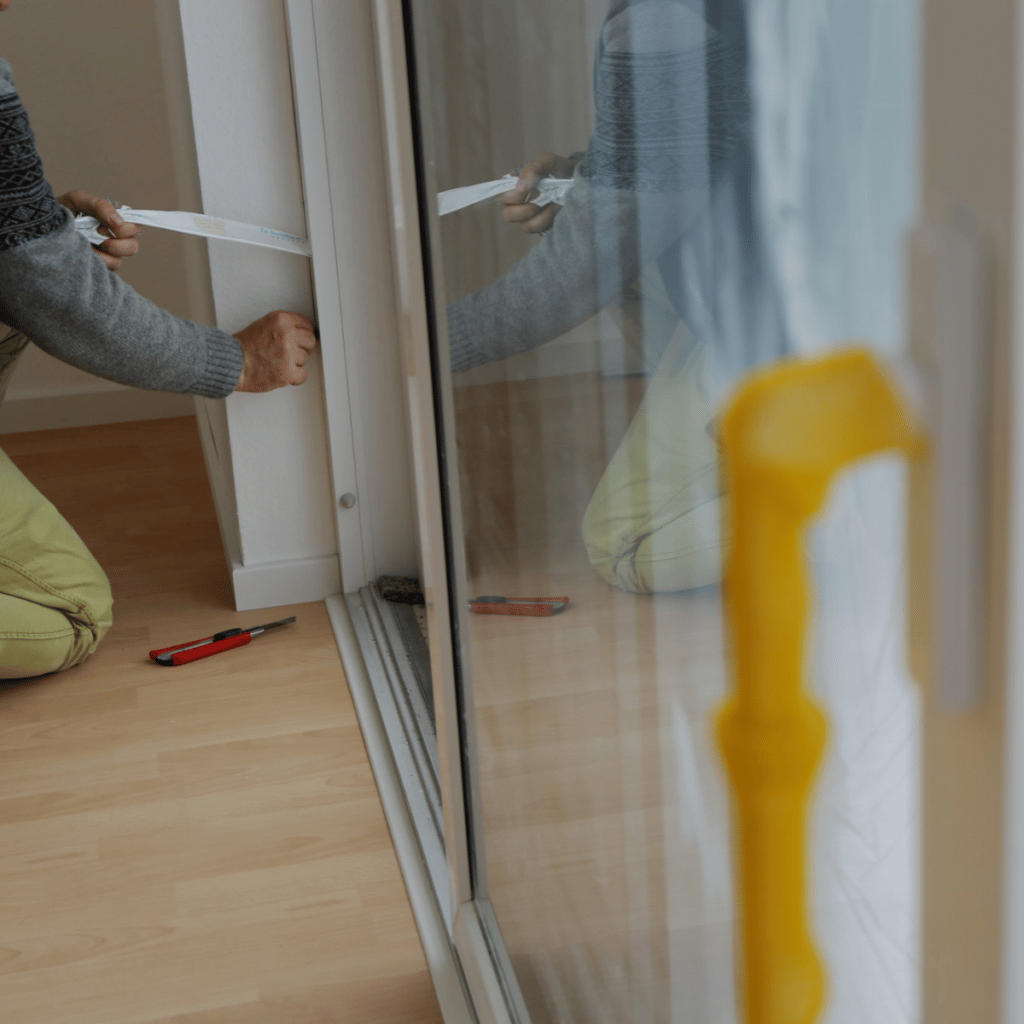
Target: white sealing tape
x: 198, y: 224
x: 551, y: 190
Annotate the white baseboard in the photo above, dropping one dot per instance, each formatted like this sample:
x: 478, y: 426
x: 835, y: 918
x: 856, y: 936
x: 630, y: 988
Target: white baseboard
x: 298, y: 581
x: 89, y: 408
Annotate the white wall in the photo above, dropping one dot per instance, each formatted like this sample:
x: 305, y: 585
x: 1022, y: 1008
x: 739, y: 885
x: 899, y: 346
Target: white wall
x: 239, y: 81
x: 92, y: 78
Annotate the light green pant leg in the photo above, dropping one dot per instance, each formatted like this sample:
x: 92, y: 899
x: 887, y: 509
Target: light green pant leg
x: 654, y: 521
x: 55, y: 601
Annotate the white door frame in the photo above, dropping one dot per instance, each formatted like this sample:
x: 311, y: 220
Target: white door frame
x: 371, y: 303
x: 349, y: 227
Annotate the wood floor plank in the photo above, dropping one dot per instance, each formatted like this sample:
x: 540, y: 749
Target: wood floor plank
x: 200, y: 845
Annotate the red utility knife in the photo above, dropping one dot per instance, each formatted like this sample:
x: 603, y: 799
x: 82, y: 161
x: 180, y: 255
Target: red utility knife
x: 182, y: 654
x: 497, y: 605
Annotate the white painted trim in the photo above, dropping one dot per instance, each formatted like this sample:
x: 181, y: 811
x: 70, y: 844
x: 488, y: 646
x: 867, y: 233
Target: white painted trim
x: 213, y: 430
x: 296, y: 581
x: 441, y: 962
x: 475, y: 955
x: 394, y: 86
x: 409, y: 738
x: 334, y: 80
x: 88, y: 408
x: 239, y: 73
x: 342, y: 429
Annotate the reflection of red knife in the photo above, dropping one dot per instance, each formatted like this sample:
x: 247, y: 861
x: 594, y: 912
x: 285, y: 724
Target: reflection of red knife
x: 518, y: 605
x: 193, y: 650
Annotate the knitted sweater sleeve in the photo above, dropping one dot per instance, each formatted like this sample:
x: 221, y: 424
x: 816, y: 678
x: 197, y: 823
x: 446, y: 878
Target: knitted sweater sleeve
x: 55, y: 289
x: 659, y: 141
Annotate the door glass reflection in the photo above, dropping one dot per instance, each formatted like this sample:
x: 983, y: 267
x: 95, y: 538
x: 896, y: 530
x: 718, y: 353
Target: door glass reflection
x: 739, y: 180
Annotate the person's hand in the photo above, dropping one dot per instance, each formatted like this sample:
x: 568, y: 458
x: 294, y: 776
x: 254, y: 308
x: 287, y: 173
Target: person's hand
x: 122, y: 241
x: 276, y: 348
x: 516, y: 205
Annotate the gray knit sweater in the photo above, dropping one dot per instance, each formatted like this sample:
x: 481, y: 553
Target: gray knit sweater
x: 56, y: 290
x: 672, y: 109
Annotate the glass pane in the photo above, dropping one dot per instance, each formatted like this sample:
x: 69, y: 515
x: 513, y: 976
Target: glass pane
x: 740, y: 179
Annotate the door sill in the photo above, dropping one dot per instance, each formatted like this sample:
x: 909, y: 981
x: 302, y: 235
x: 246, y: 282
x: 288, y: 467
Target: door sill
x: 442, y: 962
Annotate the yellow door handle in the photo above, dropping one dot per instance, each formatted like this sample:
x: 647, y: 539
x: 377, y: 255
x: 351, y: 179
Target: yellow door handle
x: 785, y: 436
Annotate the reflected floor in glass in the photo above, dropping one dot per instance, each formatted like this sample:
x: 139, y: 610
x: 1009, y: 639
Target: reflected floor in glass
x: 582, y: 719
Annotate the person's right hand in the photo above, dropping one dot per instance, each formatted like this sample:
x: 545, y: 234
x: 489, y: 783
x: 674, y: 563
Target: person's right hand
x: 516, y: 205
x: 121, y: 241
x: 276, y: 348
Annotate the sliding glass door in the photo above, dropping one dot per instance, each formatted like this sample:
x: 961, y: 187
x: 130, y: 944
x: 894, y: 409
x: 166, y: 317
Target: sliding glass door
x: 638, y: 221
x: 734, y: 182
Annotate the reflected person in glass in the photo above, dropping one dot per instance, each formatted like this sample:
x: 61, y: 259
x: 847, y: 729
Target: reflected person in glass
x: 660, y: 212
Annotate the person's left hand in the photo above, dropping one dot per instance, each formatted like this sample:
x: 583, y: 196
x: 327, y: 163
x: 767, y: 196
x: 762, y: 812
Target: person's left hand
x: 122, y: 242
x: 517, y: 206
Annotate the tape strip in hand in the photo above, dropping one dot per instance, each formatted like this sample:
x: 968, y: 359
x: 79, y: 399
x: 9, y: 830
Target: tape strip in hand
x: 198, y: 224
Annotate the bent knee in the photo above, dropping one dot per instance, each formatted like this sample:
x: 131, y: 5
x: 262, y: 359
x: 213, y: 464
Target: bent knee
x: 645, y: 570
x: 37, y: 640
x: 92, y: 613
x: 43, y: 632
x: 96, y: 615
x: 684, y: 553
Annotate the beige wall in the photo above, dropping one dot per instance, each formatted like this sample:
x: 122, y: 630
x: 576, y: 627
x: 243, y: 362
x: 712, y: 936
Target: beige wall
x: 971, y: 128
x: 92, y: 76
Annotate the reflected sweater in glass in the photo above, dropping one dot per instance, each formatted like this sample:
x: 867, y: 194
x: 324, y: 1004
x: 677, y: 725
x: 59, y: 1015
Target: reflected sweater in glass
x: 671, y: 115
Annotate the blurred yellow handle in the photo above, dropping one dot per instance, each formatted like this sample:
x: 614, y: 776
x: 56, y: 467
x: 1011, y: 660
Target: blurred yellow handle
x: 785, y: 435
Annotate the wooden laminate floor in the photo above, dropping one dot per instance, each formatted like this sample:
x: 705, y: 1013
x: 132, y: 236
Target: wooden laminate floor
x: 202, y: 845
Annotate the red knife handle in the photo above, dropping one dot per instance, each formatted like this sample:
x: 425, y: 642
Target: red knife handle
x: 164, y: 650
x: 208, y: 649
x: 510, y: 609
